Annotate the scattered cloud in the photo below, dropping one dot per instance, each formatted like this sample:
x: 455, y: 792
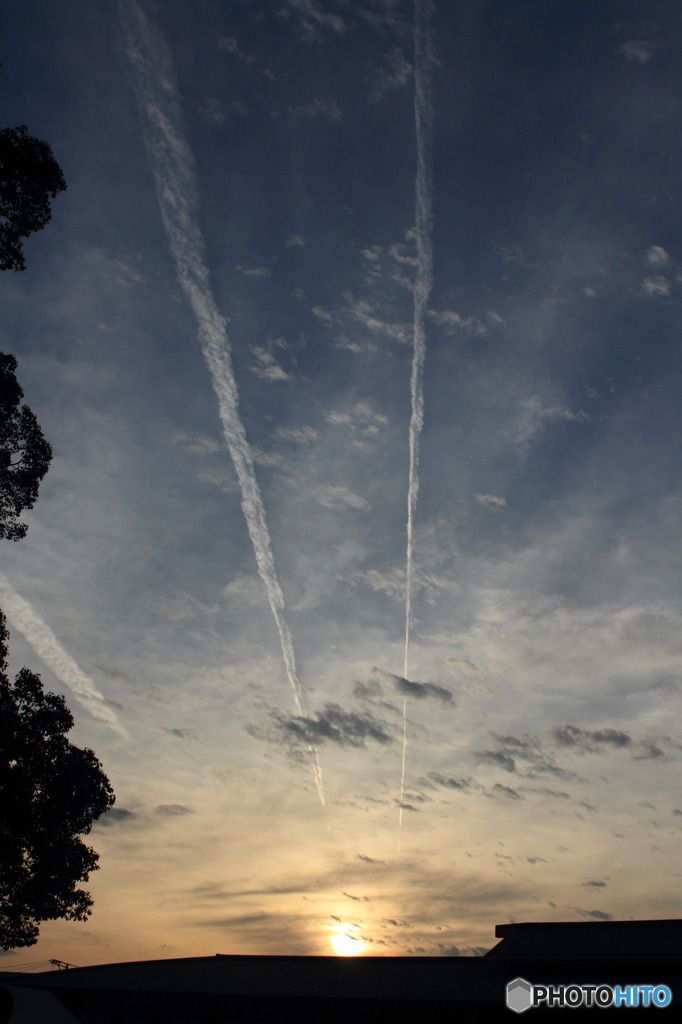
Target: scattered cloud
x: 408, y: 688
x: 491, y: 501
x: 639, y: 50
x: 333, y: 725
x: 595, y: 915
x: 311, y: 20
x: 257, y: 272
x: 116, y: 815
x: 450, y: 782
x: 266, y: 366
x: 453, y: 322
x: 341, y: 497
x: 395, y: 72
x: 323, y: 107
x: 218, y: 113
x: 173, y: 810
x: 297, y: 435
x: 656, y: 287
x: 505, y: 792
x: 185, y: 734
x: 228, y: 44
x: 535, y: 415
x: 657, y: 256
x: 587, y: 741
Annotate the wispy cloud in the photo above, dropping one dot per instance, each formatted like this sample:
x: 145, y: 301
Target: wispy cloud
x: 656, y: 287
x: 298, y: 435
x: 657, y: 256
x: 173, y: 166
x: 423, y: 116
x: 311, y: 19
x: 266, y: 366
x: 340, y: 497
x: 535, y: 415
x: 491, y: 501
x: 454, y: 323
x: 395, y: 72
x: 43, y: 641
x: 256, y: 272
x: 639, y: 50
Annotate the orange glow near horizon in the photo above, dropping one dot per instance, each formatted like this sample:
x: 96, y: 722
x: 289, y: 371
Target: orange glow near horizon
x: 346, y: 940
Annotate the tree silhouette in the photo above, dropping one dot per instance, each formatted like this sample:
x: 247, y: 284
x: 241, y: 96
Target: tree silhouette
x: 29, y: 177
x: 24, y: 453
x: 50, y: 794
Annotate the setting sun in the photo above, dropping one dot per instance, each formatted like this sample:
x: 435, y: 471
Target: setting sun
x: 347, y: 942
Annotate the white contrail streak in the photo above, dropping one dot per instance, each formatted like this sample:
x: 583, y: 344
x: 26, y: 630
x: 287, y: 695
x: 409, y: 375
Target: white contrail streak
x: 173, y: 167
x: 43, y: 641
x: 423, y: 117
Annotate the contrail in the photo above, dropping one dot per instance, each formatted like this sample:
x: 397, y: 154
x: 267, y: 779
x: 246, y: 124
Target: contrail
x: 47, y: 647
x: 172, y: 163
x: 423, y: 117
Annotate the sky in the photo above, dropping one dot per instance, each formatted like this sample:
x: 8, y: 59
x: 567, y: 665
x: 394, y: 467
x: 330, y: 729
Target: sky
x: 292, y: 232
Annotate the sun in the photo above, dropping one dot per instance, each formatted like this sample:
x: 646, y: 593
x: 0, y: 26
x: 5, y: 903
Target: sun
x: 346, y: 941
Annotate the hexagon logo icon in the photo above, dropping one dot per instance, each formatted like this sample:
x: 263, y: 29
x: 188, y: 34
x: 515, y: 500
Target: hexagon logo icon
x: 519, y: 995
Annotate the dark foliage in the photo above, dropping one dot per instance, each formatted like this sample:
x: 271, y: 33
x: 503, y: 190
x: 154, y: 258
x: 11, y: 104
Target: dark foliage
x: 29, y: 177
x: 50, y: 793
x: 24, y: 453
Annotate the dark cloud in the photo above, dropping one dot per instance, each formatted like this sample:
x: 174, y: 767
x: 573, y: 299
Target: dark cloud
x: 116, y: 814
x: 557, y: 794
x: 648, y: 750
x: 596, y: 915
x: 593, y: 884
x: 594, y: 741
x: 371, y: 941
x: 230, y: 922
x: 497, y: 757
x: 421, y: 691
x: 588, y: 741
x: 419, y: 798
x: 528, y: 750
x: 173, y: 810
x: 367, y: 690
x: 418, y: 691
x: 448, y: 781
x: 369, y: 860
x: 184, y: 734
x: 332, y: 724
x: 357, y: 899
x: 505, y: 791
